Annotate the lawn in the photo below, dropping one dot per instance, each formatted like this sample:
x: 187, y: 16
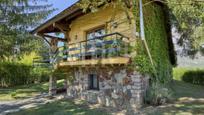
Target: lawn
x: 63, y: 107
x: 26, y: 91
x: 188, y: 98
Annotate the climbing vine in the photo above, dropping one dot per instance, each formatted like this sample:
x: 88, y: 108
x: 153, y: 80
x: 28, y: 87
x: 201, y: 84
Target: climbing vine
x: 156, y: 37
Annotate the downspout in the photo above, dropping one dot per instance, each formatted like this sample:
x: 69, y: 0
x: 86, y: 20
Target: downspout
x: 142, y: 33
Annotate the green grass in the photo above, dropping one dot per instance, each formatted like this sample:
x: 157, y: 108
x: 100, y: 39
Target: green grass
x: 26, y: 91
x: 189, y: 98
x: 189, y: 101
x: 62, y: 107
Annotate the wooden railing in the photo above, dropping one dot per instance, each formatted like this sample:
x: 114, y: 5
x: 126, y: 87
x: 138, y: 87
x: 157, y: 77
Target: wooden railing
x: 110, y: 45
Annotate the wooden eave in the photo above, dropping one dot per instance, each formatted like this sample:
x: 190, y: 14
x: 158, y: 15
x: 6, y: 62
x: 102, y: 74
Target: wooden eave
x: 64, y: 17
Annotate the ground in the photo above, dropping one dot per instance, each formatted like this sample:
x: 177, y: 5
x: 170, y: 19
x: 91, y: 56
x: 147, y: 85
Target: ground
x: 25, y: 91
x: 63, y: 107
x: 188, y: 99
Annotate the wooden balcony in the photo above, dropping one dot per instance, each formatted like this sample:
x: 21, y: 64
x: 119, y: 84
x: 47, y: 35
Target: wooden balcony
x: 103, y: 50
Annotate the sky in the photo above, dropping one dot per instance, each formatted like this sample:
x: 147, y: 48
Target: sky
x: 60, y: 5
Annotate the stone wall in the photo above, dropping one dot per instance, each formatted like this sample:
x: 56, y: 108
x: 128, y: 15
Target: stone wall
x: 119, y: 89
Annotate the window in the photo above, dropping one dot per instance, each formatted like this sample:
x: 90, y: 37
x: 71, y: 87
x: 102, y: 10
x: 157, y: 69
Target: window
x: 93, y: 82
x: 96, y: 33
x: 91, y: 41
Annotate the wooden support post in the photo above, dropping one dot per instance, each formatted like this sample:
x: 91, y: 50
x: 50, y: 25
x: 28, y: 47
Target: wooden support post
x: 52, y: 85
x: 68, y: 90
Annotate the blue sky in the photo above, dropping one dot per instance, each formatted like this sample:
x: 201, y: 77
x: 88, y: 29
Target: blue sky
x: 60, y: 5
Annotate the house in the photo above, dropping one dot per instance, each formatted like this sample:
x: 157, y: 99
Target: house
x: 96, y: 53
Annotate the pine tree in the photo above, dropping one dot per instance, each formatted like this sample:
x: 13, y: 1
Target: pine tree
x: 16, y: 19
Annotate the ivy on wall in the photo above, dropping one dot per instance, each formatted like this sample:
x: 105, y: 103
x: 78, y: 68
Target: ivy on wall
x: 156, y: 37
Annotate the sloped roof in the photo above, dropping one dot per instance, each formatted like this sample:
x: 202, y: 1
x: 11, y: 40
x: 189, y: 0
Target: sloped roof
x: 64, y: 14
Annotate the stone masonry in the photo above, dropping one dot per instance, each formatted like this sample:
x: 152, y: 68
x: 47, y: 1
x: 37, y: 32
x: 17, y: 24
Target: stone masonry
x: 120, y: 89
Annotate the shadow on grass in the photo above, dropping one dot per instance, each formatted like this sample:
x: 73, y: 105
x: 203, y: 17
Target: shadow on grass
x: 189, y: 100
x: 62, y: 107
x: 184, y: 108
x: 183, y: 89
x: 25, y: 91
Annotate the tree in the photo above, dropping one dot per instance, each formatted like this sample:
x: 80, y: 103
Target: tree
x: 188, y: 18
x: 16, y: 19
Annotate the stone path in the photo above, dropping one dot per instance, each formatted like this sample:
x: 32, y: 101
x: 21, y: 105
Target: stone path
x: 17, y: 105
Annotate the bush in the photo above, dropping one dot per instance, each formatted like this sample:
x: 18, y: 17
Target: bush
x: 194, y: 76
x: 158, y: 94
x: 12, y: 74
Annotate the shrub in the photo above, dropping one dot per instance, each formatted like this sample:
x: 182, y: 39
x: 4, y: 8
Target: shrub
x: 158, y: 94
x: 12, y: 74
x: 194, y: 76
x: 13, y: 94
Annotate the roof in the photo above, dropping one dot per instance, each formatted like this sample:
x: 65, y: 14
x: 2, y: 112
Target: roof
x: 64, y: 14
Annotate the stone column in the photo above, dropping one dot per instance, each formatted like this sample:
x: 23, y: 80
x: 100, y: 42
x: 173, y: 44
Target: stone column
x: 52, y: 85
x: 68, y: 87
x: 137, y: 91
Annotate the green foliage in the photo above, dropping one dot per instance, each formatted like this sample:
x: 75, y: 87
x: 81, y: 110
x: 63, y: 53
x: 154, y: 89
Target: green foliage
x: 12, y: 74
x: 157, y: 41
x: 143, y: 64
x: 156, y: 37
x: 17, y: 18
x: 193, y: 76
x: 188, y: 17
x: 93, y: 5
x: 13, y: 94
x: 158, y: 94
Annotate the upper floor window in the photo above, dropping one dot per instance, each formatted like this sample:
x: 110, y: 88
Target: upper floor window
x: 96, y: 33
x: 91, y: 41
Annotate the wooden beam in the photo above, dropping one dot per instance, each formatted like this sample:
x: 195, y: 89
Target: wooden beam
x: 60, y: 26
x: 63, y: 29
x: 41, y: 35
x: 53, y: 37
x: 108, y: 61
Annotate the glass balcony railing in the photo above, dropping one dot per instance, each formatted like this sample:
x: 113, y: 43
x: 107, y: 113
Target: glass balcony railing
x: 110, y: 45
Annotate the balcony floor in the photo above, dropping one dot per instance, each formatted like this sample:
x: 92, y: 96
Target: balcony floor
x: 107, y: 61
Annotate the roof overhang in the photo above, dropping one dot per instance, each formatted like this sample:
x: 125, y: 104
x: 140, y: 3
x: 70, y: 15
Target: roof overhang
x: 65, y: 17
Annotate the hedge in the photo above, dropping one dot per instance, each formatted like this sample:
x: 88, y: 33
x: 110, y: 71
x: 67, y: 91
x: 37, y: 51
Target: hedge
x: 12, y: 74
x: 194, y: 76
